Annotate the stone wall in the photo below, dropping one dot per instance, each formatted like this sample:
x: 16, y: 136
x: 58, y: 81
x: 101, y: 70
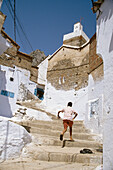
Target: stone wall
x: 68, y: 68
x: 8, y: 57
x: 34, y: 74
x: 23, y: 60
x: 76, y: 41
x: 94, y: 60
x: 2, y: 19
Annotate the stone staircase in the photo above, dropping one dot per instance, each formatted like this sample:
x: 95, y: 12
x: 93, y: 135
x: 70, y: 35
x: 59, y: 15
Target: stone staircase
x: 37, y: 105
x: 46, y: 145
x: 47, y: 151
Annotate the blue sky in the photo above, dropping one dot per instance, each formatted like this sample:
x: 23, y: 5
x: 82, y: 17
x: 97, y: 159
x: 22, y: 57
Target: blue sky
x: 46, y: 21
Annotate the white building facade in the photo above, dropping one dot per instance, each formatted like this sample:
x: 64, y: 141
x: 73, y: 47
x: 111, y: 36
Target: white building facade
x: 11, y: 79
x: 105, y: 49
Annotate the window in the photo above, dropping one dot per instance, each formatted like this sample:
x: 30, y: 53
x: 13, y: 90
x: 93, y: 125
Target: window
x: 19, y: 60
x: 11, y: 79
x: 39, y: 93
x: 60, y: 81
x: 94, y: 107
x: 63, y: 80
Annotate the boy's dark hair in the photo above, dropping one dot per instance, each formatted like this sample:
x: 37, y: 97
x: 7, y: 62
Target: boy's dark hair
x: 69, y: 104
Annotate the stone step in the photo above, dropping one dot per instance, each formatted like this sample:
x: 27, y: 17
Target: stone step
x: 33, y: 105
x: 49, y: 132
x: 46, y: 125
x: 52, y: 123
x: 51, y: 141
x: 57, y: 128
x: 58, y: 154
x: 30, y: 164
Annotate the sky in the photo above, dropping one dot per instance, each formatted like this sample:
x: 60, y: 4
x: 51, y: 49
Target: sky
x: 41, y: 24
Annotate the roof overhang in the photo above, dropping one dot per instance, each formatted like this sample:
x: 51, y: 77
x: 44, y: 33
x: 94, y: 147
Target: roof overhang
x: 69, y: 46
x: 96, y: 5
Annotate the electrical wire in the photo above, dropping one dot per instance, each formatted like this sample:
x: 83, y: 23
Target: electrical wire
x: 21, y: 39
x: 20, y: 25
x: 11, y: 13
x: 16, y: 28
x: 15, y: 19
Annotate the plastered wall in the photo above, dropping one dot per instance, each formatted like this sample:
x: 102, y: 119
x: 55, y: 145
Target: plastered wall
x: 105, y: 48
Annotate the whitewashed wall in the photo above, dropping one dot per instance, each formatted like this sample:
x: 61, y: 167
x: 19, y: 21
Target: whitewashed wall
x: 22, y: 79
x: 95, y: 94
x: 58, y: 99
x: 8, y: 104
x: 32, y: 86
x: 42, y: 71
x: 13, y: 138
x: 105, y: 48
x: 77, y: 31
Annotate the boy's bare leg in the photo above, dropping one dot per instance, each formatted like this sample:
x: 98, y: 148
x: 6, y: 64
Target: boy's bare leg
x: 62, y: 134
x: 64, y: 131
x: 71, y: 133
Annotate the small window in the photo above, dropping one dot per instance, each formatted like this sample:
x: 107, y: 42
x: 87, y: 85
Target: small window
x: 11, y: 79
x: 60, y: 80
x: 94, y: 108
x: 63, y: 80
x: 19, y: 60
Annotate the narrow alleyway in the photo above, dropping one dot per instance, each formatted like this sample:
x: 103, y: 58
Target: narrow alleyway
x: 47, y: 151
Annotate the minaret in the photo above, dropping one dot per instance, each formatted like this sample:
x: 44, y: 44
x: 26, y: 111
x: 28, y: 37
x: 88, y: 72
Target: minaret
x: 77, y: 37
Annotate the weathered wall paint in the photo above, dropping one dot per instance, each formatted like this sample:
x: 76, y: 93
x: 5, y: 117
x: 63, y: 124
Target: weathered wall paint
x: 20, y: 76
x: 42, y: 71
x: 13, y: 138
x: 58, y: 99
x: 95, y: 94
x: 105, y: 48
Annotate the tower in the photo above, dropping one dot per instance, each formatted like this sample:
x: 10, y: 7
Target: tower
x: 77, y: 37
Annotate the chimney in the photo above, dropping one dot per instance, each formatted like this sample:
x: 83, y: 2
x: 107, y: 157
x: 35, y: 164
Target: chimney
x: 2, y: 19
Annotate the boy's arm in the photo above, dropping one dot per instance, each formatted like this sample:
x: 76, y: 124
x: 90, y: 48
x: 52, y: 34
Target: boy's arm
x: 75, y: 115
x: 59, y: 113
